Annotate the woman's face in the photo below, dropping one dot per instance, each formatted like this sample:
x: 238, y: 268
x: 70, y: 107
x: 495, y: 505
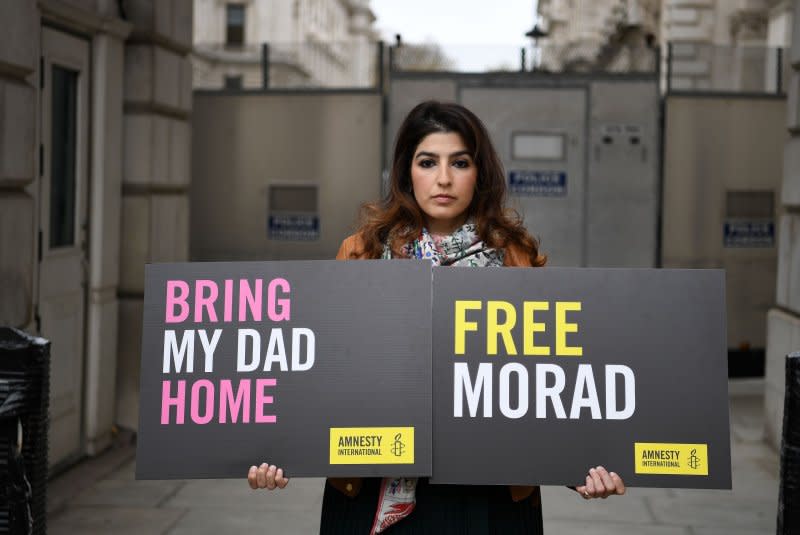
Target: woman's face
x: 443, y: 176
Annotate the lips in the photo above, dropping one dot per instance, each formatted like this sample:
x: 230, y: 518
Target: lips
x: 444, y: 197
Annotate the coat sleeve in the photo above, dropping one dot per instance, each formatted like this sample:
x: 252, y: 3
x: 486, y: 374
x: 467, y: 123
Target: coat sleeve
x: 352, y: 244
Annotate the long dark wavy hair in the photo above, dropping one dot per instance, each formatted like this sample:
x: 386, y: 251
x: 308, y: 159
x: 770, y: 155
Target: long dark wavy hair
x: 399, y: 218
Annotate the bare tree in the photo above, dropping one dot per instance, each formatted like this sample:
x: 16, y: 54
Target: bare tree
x: 422, y: 57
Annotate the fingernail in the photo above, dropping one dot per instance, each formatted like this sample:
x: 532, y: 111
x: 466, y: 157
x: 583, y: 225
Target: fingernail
x: 599, y: 467
x: 252, y: 468
x: 591, y: 470
x: 613, y: 473
x: 264, y: 464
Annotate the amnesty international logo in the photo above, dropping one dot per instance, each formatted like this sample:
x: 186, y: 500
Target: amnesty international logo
x: 398, y: 447
x: 694, y: 460
x: 671, y: 459
x: 371, y: 445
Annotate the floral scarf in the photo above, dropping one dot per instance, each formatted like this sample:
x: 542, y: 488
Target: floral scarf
x: 463, y: 247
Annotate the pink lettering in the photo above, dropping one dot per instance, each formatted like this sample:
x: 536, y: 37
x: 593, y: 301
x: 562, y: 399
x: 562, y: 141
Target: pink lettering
x: 228, y: 313
x: 177, y: 292
x: 227, y: 403
x: 209, y: 397
x: 167, y: 401
x: 249, y: 298
x: 262, y: 399
x: 205, y: 301
x: 284, y: 312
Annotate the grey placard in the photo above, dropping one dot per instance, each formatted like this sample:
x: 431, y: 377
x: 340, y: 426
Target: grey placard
x: 371, y: 322
x: 666, y: 326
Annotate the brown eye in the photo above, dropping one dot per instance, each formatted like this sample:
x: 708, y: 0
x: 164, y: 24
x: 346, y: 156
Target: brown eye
x: 461, y: 164
x: 427, y: 164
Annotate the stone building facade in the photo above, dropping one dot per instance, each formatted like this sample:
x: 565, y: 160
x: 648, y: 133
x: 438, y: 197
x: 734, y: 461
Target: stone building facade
x: 95, y: 102
x: 724, y: 45
x: 783, y: 320
x: 716, y: 44
x: 312, y: 43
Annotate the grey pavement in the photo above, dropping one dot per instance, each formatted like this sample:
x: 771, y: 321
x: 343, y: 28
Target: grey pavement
x: 100, y: 496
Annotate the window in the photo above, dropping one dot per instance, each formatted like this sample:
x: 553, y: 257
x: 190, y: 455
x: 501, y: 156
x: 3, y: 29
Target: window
x: 62, y: 157
x: 233, y: 81
x: 749, y: 204
x: 293, y: 199
x: 234, y: 25
x: 529, y: 146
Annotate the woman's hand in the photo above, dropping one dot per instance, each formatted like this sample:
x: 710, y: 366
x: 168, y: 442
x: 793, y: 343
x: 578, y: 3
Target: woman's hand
x: 601, y: 484
x: 266, y: 477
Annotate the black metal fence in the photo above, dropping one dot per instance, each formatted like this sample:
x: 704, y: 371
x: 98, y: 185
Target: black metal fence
x: 276, y: 65
x: 697, y: 67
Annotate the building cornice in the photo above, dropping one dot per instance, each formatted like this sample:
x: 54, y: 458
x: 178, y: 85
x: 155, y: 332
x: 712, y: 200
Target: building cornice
x: 359, y: 7
x: 83, y: 21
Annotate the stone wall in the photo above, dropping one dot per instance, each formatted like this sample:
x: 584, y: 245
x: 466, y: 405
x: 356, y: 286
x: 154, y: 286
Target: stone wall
x: 156, y: 169
x: 783, y: 321
x: 19, y: 59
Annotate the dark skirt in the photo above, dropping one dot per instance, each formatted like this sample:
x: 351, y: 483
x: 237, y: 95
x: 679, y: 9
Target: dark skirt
x: 440, y: 510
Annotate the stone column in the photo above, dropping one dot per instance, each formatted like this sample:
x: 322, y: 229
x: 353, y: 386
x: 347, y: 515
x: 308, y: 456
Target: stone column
x: 156, y: 169
x: 783, y: 321
x: 19, y: 58
x: 104, y: 233
x: 363, y: 51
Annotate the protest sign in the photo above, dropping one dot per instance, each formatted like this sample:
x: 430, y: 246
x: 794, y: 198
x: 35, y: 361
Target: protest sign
x: 541, y: 374
x: 320, y: 367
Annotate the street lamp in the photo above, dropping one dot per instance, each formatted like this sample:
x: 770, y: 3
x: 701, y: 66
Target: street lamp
x: 535, y: 33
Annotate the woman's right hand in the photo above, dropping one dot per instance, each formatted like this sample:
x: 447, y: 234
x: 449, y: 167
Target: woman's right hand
x: 266, y: 477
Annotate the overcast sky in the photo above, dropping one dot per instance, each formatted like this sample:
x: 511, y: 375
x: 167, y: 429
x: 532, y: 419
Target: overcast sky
x: 476, y: 33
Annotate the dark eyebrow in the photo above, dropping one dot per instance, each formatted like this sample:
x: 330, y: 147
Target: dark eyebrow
x: 432, y: 155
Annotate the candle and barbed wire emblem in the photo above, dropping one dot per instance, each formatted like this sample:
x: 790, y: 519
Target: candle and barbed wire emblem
x: 398, y: 447
x: 694, y: 460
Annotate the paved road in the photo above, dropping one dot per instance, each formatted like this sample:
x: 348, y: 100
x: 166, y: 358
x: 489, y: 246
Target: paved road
x: 101, y: 496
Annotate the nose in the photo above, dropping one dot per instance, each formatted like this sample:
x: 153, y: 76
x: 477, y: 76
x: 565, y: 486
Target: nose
x: 444, y: 177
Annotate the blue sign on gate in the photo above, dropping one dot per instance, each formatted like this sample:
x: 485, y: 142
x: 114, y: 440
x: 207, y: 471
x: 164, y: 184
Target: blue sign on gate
x: 293, y: 227
x: 538, y: 183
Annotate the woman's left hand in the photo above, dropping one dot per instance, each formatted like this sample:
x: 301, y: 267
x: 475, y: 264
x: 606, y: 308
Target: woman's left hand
x: 600, y: 483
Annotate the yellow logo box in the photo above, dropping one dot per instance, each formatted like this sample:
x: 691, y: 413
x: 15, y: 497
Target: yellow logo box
x: 675, y: 459
x: 372, y: 445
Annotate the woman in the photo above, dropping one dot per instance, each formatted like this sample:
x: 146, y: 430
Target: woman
x: 445, y: 204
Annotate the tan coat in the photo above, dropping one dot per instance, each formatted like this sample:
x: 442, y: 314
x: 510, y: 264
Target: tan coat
x: 514, y: 257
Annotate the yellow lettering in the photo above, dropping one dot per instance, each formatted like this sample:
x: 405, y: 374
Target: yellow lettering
x: 494, y: 328
x: 462, y: 325
x: 562, y: 328
x: 532, y: 327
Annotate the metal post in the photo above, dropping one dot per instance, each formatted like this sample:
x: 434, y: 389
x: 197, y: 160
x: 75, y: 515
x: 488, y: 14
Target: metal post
x: 265, y: 65
x: 669, y: 67
x: 522, y: 62
x: 391, y: 58
x: 381, y: 81
x: 779, y: 71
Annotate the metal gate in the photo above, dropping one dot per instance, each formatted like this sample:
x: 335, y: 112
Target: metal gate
x: 581, y: 154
